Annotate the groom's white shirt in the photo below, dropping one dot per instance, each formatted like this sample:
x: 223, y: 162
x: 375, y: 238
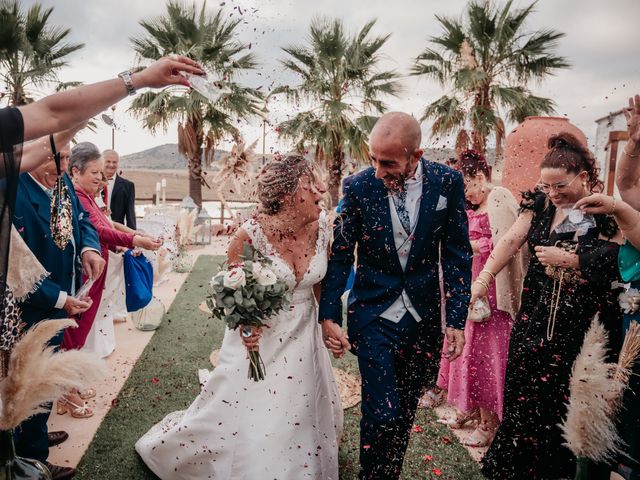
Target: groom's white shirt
x: 403, y: 242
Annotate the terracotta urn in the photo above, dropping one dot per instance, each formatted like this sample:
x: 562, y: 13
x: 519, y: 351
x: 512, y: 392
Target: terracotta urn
x: 526, y: 146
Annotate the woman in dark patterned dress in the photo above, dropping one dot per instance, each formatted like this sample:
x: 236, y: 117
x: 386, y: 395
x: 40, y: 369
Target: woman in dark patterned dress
x: 573, y: 262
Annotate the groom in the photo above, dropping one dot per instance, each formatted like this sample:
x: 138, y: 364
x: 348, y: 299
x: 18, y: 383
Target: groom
x: 405, y: 216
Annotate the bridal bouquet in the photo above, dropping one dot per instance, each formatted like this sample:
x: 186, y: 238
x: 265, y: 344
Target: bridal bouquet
x: 246, y: 295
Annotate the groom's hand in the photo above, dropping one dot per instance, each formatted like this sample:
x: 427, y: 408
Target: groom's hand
x: 335, y: 339
x: 455, y: 339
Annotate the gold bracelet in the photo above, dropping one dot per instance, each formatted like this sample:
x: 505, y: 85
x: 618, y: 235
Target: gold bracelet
x: 491, y: 274
x: 482, y: 282
x: 613, y: 207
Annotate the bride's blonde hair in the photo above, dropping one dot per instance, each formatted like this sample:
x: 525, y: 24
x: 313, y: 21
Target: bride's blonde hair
x: 281, y: 177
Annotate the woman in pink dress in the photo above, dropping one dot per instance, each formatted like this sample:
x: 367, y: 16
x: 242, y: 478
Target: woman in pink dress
x: 475, y: 382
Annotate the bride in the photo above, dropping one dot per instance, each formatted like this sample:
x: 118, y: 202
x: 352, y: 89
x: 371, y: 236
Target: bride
x: 288, y: 425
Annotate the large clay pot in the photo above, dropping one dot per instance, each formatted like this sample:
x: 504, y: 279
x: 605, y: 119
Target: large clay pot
x: 526, y: 146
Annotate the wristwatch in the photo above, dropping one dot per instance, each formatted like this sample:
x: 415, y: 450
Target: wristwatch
x: 128, y: 82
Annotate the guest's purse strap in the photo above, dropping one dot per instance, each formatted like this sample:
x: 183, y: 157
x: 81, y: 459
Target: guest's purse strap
x: 61, y: 223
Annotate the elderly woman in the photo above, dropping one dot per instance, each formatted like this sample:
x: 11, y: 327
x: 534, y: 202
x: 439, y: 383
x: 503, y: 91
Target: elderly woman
x: 573, y: 263
x: 85, y: 167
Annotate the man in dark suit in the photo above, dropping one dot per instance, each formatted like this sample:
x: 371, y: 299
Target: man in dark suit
x: 54, y: 298
x: 405, y: 216
x: 120, y: 193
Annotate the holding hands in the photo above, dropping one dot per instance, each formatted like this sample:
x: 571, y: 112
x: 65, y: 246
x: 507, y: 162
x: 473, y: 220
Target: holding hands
x: 335, y: 339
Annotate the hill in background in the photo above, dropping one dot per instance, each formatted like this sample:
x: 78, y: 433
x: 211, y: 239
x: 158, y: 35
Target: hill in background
x: 166, y: 157
x: 148, y: 167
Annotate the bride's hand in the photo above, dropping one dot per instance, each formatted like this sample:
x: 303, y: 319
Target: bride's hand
x: 335, y: 339
x: 251, y: 343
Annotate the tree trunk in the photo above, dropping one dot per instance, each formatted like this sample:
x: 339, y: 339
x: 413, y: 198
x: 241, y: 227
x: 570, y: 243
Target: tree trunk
x: 190, y: 139
x: 335, y: 176
x: 195, y: 179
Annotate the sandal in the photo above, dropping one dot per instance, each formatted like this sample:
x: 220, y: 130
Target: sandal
x: 65, y: 405
x: 462, y: 418
x: 481, y: 436
x: 432, y: 399
x: 87, y: 394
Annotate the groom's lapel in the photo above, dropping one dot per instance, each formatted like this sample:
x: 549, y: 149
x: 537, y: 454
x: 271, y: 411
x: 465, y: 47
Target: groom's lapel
x: 430, y: 195
x: 384, y: 225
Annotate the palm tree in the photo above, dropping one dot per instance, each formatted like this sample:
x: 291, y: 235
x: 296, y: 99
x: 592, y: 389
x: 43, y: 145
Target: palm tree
x: 211, y: 40
x: 343, y: 86
x: 32, y: 51
x: 488, y: 61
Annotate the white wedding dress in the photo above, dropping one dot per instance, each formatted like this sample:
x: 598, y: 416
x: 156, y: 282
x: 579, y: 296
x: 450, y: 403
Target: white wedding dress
x: 286, y: 427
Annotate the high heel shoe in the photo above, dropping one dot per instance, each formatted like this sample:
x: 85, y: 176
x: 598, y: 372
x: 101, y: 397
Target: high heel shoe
x: 64, y: 405
x: 87, y: 394
x: 481, y: 436
x: 432, y: 399
x: 462, y: 418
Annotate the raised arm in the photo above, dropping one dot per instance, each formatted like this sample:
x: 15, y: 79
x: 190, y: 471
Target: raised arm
x: 506, y: 248
x: 66, y: 109
x: 628, y: 168
x: 39, y: 151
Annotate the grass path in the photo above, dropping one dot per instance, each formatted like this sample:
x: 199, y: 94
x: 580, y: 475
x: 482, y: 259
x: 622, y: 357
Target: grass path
x: 164, y: 379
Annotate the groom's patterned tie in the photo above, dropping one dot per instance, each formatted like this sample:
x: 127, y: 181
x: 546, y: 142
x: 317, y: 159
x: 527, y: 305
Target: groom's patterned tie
x: 400, y: 201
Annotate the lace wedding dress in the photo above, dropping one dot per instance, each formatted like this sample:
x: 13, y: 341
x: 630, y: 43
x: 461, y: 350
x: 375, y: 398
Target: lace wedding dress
x: 286, y: 427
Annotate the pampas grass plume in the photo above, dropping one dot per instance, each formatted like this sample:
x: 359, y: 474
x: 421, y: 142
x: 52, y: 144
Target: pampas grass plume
x: 589, y: 429
x: 38, y: 374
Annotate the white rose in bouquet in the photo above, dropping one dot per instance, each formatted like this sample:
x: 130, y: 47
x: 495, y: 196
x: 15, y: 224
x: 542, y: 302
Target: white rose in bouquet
x: 263, y: 274
x: 234, y: 278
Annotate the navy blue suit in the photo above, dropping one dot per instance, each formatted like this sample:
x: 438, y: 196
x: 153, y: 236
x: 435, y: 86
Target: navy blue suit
x: 397, y: 359
x: 31, y: 219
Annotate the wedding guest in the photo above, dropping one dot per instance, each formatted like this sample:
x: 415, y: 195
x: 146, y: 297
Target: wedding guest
x: 573, y: 263
x: 54, y: 298
x: 120, y: 195
x: 475, y: 383
x: 627, y: 217
x: 86, y: 170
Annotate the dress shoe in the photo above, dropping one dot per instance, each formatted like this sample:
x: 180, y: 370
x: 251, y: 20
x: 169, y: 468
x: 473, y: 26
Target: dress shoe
x: 60, y: 473
x: 56, y: 438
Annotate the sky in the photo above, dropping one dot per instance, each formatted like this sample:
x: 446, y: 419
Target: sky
x: 602, y: 43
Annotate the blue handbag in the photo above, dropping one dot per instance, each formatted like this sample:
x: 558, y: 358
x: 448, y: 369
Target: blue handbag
x: 138, y: 278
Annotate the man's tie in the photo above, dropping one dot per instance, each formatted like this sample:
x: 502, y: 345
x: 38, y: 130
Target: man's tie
x: 400, y: 201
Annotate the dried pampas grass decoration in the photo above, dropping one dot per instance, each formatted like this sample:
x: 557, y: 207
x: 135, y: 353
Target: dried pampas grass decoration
x: 185, y: 226
x: 590, y: 428
x: 628, y: 353
x: 163, y: 265
x: 38, y: 375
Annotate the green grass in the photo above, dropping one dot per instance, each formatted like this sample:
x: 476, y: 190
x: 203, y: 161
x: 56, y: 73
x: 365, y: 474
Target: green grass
x: 164, y: 379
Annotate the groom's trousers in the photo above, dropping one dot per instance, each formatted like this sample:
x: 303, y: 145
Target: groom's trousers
x: 396, y: 361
